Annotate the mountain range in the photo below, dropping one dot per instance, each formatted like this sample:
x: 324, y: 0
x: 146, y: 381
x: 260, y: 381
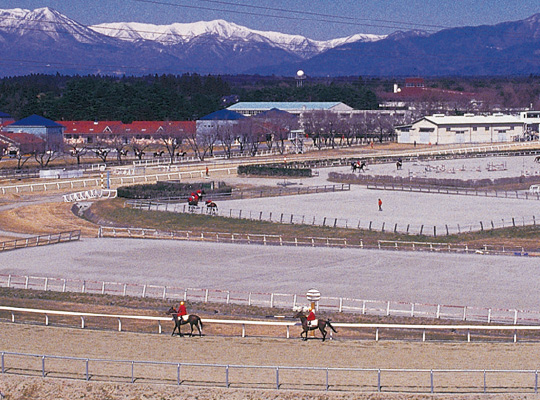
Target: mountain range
x: 46, y: 41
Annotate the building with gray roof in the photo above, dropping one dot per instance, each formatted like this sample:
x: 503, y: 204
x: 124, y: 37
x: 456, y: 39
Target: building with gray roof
x: 468, y: 128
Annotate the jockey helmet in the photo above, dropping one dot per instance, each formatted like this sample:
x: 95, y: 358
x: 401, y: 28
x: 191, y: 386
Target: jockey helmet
x: 182, y: 303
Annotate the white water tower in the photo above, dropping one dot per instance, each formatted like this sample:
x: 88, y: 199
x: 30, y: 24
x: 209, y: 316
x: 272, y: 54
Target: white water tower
x: 300, y: 76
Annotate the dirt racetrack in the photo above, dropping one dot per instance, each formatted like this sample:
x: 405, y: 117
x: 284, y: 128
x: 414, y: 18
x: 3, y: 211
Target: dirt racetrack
x: 112, y: 380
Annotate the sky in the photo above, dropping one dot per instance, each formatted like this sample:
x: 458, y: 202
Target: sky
x: 315, y: 19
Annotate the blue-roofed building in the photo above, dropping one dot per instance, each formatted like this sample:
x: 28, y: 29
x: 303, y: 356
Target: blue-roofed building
x: 218, y: 123
x: 247, y: 108
x: 223, y: 115
x: 49, y: 131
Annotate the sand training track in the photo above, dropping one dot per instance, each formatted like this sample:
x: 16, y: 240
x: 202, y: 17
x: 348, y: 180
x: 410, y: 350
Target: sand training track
x: 252, y: 351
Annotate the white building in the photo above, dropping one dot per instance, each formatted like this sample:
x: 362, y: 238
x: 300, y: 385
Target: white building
x: 469, y: 128
x: 532, y: 120
x: 249, y: 109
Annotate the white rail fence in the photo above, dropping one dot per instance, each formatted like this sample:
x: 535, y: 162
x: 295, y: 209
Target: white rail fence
x: 280, y: 240
x: 41, y: 240
x: 506, y: 194
x: 421, y: 329
x: 90, y: 195
x: 429, y: 381
x: 113, y: 181
x: 276, y: 300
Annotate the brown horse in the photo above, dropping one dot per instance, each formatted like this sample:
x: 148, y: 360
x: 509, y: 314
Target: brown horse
x: 192, y: 320
x: 321, y: 325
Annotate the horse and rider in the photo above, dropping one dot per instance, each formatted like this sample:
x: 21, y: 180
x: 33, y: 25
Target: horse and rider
x: 195, y: 197
x: 358, y: 165
x: 181, y: 317
x: 311, y: 323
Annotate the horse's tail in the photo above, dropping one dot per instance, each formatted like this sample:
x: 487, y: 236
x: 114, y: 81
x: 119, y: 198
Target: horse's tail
x: 200, y: 324
x: 330, y: 325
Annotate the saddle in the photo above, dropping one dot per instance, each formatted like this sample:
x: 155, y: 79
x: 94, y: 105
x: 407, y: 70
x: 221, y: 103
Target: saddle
x: 315, y: 322
x: 185, y: 317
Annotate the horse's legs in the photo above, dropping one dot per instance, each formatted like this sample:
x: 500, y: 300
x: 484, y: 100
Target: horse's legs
x: 199, y: 327
x: 323, y: 333
x: 179, y: 331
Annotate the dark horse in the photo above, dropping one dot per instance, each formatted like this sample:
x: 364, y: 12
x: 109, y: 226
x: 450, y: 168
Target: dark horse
x: 321, y: 325
x: 192, y: 320
x: 211, y: 206
x: 361, y: 166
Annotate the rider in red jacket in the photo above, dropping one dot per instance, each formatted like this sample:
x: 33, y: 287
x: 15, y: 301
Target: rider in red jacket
x: 182, y: 309
x: 311, y: 315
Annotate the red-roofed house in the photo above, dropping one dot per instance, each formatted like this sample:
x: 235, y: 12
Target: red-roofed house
x: 21, y: 143
x: 150, y: 132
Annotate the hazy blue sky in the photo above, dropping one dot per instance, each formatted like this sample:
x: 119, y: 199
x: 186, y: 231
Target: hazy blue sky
x: 316, y: 19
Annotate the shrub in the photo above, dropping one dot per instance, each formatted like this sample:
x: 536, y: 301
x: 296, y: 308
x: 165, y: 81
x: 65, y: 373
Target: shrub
x: 170, y: 189
x: 274, y: 170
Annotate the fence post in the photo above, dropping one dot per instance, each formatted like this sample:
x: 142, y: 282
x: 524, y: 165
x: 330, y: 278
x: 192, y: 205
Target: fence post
x: 378, y: 380
x: 178, y: 374
x: 43, y: 366
x: 86, y: 368
x: 421, y: 229
x: 277, y: 377
x: 3, y: 370
x: 431, y: 376
x: 227, y: 376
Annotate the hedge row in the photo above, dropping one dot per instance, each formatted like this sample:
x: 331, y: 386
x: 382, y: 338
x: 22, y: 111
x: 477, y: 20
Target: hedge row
x: 419, y: 181
x: 273, y: 170
x: 170, y: 189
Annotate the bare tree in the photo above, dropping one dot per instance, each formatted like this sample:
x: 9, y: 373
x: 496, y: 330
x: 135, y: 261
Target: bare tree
x: 274, y: 127
x: 77, y: 151
x: 43, y: 158
x: 227, y: 134
x: 118, y: 143
x: 314, y: 127
x: 101, y: 150
x: 138, y: 146
x: 172, y: 139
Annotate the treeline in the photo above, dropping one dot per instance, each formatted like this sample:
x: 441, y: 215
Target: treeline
x: 153, y: 97
x: 127, y: 99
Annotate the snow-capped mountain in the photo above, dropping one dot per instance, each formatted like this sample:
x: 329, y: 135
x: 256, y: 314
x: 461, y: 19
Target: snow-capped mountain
x: 46, y: 41
x: 175, y: 34
x: 46, y: 22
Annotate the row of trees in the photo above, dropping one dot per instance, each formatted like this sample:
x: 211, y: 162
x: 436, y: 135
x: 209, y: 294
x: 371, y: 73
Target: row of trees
x: 155, y: 98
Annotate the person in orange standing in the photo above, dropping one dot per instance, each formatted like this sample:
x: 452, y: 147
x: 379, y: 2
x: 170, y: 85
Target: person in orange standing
x: 380, y: 205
